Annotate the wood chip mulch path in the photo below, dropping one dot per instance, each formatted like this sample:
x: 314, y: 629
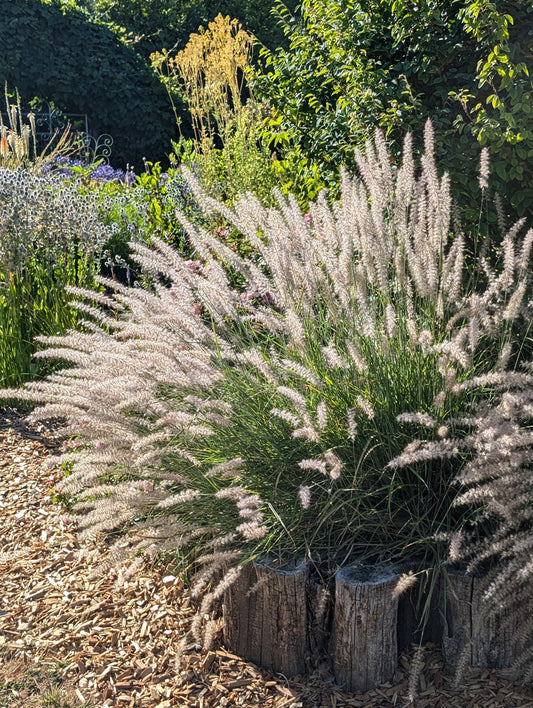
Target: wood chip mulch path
x: 115, y: 646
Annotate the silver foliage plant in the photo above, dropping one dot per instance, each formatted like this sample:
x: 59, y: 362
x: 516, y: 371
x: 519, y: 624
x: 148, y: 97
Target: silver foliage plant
x: 302, y: 324
x: 44, y: 217
x: 51, y: 235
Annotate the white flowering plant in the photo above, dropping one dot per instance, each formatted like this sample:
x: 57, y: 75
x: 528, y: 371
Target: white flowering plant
x: 315, y: 410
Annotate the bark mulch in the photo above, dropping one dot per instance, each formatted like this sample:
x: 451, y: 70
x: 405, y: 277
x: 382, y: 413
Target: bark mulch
x: 62, y: 623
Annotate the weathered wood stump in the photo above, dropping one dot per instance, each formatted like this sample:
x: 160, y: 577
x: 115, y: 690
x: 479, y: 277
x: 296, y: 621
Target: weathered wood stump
x: 484, y: 639
x: 283, y: 619
x: 265, y: 616
x: 494, y: 644
x: 364, y: 642
x: 457, y: 632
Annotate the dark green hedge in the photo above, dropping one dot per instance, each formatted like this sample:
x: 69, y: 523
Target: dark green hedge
x: 53, y: 50
x: 157, y: 24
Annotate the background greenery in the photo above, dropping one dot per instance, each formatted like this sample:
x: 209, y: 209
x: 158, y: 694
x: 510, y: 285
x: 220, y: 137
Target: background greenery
x: 92, y: 57
x: 155, y: 24
x: 352, y: 66
x: 54, y: 51
x: 333, y: 72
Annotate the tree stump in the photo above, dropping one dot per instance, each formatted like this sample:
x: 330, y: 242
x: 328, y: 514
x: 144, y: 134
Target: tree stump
x: 265, y: 616
x: 457, y: 634
x: 364, y: 641
x: 494, y: 644
x: 480, y: 639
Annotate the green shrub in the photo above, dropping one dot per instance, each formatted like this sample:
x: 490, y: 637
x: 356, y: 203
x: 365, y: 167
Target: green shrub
x: 256, y: 17
x: 53, y: 51
x: 352, y: 66
x: 141, y: 211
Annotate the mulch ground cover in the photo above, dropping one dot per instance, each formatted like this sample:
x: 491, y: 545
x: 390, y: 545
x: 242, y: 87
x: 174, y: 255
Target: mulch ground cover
x: 65, y: 623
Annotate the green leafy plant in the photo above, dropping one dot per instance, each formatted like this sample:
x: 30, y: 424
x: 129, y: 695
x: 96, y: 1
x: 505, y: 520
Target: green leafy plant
x: 352, y: 66
x: 163, y: 193
x: 499, y: 112
x: 138, y: 210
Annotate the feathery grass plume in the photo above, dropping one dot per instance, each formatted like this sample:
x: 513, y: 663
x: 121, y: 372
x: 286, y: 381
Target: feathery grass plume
x: 304, y: 496
x: 405, y: 582
x: 484, y: 169
x: 416, y: 669
x: 493, y: 444
x: 206, y: 427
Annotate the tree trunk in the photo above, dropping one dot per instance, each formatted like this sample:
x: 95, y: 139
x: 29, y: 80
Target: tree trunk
x: 364, y: 642
x: 265, y: 616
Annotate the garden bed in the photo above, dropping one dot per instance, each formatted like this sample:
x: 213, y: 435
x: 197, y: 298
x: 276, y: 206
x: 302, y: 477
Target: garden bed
x: 69, y: 629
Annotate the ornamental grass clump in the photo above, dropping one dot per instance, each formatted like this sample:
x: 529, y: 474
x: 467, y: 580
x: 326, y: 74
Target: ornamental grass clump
x: 495, y: 438
x: 250, y: 405
x: 499, y: 478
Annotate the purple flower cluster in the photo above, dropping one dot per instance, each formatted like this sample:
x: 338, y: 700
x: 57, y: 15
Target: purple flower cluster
x: 101, y: 173
x: 62, y: 166
x: 105, y: 173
